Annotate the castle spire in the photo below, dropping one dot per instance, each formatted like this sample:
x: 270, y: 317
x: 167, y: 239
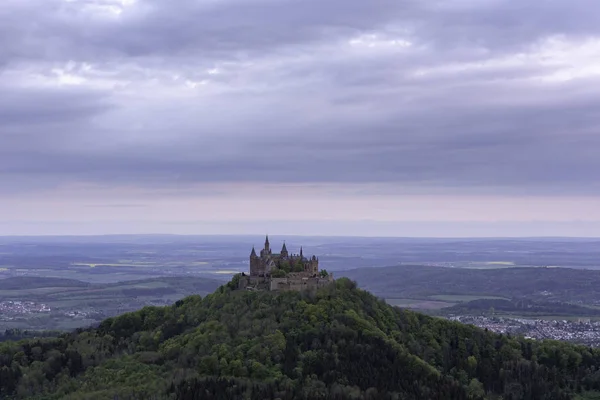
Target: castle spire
x: 267, y: 244
x: 284, y: 251
x: 253, y: 254
x: 300, y: 251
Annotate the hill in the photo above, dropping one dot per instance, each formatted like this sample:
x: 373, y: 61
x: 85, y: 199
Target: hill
x: 544, y: 284
x: 26, y: 282
x: 499, y: 307
x: 339, y: 343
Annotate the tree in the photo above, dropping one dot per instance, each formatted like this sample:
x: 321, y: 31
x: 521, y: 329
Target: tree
x: 278, y: 273
x: 475, y: 389
x: 285, y: 266
x: 298, y: 266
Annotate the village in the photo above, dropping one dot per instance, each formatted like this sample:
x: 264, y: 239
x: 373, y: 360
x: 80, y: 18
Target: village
x: 582, y: 331
x: 14, y: 308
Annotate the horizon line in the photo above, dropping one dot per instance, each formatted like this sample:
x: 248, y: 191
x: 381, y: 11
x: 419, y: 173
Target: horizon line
x: 98, y: 235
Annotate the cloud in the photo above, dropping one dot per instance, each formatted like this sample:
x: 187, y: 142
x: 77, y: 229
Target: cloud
x: 455, y: 95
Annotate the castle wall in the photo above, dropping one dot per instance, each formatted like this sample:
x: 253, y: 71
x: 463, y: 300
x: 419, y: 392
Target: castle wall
x: 279, y: 284
x: 254, y: 283
x: 298, y: 283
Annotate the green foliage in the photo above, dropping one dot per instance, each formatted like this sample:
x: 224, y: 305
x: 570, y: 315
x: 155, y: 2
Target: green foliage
x: 337, y: 343
x: 18, y: 334
x: 475, y: 390
x: 324, y: 273
x: 285, y: 266
x: 235, y: 281
x: 278, y: 273
x: 298, y: 266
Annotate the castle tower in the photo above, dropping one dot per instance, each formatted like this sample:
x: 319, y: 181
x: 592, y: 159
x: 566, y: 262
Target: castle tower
x: 284, y: 251
x: 267, y: 246
x: 253, y: 262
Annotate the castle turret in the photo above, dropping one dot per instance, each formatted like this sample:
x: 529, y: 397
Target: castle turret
x: 284, y: 251
x: 254, y: 262
x: 267, y: 246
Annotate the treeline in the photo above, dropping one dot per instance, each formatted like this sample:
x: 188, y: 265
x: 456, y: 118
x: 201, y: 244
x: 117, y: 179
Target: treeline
x: 18, y: 334
x: 337, y: 343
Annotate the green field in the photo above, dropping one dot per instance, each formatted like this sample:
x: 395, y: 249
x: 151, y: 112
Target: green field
x: 492, y: 265
x: 464, y: 298
x: 137, y: 264
x: 419, y: 304
x: 436, y: 302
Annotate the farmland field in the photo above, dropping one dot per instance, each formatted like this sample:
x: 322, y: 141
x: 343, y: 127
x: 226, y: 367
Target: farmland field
x: 461, y: 298
x: 419, y: 304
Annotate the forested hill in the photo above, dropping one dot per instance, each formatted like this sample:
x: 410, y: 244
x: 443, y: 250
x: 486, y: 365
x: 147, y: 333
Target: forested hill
x: 340, y: 343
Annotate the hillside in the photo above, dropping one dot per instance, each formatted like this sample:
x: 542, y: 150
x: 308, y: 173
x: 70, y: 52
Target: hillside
x: 340, y: 343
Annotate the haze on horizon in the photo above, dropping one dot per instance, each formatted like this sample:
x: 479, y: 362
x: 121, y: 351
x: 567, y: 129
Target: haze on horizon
x: 373, y: 118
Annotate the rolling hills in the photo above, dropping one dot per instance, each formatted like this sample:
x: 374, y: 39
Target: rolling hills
x: 442, y: 283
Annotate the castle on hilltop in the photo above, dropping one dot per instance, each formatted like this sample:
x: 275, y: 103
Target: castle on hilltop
x: 283, y: 271
x: 268, y: 262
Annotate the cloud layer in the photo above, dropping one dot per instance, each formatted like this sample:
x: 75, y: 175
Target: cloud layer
x: 492, y: 96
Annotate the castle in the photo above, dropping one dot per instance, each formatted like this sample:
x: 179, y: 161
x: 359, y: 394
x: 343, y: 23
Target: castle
x: 283, y: 271
x: 268, y: 262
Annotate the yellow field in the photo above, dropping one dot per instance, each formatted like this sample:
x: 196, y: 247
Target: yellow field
x: 108, y: 265
x: 500, y: 263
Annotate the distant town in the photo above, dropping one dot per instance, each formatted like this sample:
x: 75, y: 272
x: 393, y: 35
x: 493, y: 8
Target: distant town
x: 8, y: 308
x: 581, y: 331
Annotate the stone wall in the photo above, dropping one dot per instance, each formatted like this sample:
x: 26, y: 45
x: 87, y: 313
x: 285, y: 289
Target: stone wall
x: 299, y: 283
x: 295, y: 282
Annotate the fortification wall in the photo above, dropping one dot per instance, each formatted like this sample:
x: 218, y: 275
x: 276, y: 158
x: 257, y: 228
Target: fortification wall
x: 299, y: 283
x: 254, y: 283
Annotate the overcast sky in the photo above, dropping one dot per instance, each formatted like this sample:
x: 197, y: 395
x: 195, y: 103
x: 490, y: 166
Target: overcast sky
x: 378, y: 117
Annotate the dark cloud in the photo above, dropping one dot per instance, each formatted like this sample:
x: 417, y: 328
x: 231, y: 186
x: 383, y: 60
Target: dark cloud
x: 22, y: 107
x: 83, y: 30
x: 453, y: 94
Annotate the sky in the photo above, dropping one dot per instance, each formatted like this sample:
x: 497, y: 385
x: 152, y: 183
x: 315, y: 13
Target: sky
x: 329, y: 117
